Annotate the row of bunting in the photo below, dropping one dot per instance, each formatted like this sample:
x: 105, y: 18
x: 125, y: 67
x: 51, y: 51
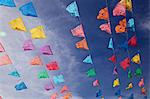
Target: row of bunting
x: 122, y: 7
x: 36, y: 33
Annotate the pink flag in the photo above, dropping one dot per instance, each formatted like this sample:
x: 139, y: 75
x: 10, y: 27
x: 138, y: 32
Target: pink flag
x: 5, y: 60
x: 2, y: 48
x: 115, y: 71
x: 28, y: 45
x: 49, y: 86
x: 78, y: 31
x: 119, y: 10
x: 54, y: 96
x: 96, y: 83
x: 105, y: 27
x: 141, y: 83
x: 46, y: 50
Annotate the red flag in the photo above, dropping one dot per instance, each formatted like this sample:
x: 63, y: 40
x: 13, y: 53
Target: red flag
x: 52, y: 66
x: 112, y: 58
x: 132, y: 41
x: 125, y: 63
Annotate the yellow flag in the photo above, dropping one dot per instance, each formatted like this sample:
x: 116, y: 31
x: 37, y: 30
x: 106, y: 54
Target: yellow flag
x: 129, y: 5
x: 17, y: 24
x: 116, y: 83
x: 38, y: 33
x: 136, y: 59
x: 130, y: 85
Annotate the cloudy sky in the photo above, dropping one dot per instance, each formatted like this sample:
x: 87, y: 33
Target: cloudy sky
x: 57, y: 23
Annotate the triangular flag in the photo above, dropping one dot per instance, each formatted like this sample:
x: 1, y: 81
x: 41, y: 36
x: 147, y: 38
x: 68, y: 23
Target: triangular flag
x: 125, y: 63
x: 2, y: 48
x: 99, y: 93
x: 52, y: 66
x: 54, y: 96
x: 132, y: 41
x: 130, y: 86
x: 14, y: 73
x: 64, y: 89
x: 1, y: 97
x: 121, y: 27
x: 112, y: 58
x: 110, y: 45
x: 136, y: 59
x: 131, y: 96
x: 9, y: 3
x: 49, y: 86
x: 131, y: 24
x: 20, y: 86
x: 17, y: 24
x: 58, y: 79
x: 119, y: 10
x: 82, y: 44
x: 141, y: 83
x: 138, y: 72
x: 46, y: 50
x: 115, y: 71
x: 143, y: 91
x: 73, y: 9
x: 129, y: 74
x: 5, y: 60
x: 36, y: 61
x: 78, y: 31
x: 28, y: 10
x: 124, y: 46
x: 116, y: 82
x: 118, y: 93
x: 105, y: 27
x: 96, y: 83
x: 88, y: 60
x: 67, y: 96
x: 103, y: 14
x: 129, y: 5
x: 28, y: 45
x: 43, y: 74
x: 91, y: 72
x: 38, y: 32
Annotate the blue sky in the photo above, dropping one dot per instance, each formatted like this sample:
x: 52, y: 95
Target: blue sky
x: 57, y: 23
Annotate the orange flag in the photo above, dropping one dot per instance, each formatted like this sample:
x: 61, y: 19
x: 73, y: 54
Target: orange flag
x: 67, y: 96
x: 103, y: 14
x: 121, y: 27
x: 64, y: 89
x: 36, y: 61
x: 54, y: 96
x: 5, y: 60
x: 82, y: 44
x: 78, y: 31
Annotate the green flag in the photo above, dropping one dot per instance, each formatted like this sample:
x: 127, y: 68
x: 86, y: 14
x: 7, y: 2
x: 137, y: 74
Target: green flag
x: 91, y: 72
x: 43, y: 74
x: 129, y: 74
x: 138, y: 72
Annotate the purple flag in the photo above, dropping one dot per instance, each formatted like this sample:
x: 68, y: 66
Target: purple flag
x: 46, y: 50
x: 28, y: 45
x: 49, y: 86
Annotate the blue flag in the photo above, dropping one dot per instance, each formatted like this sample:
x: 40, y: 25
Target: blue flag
x: 131, y: 24
x: 88, y: 60
x: 28, y: 10
x: 131, y: 96
x: 9, y: 3
x: 118, y: 93
x: 99, y: 93
x: 14, y: 73
x: 110, y: 45
x: 73, y: 9
x: 20, y: 86
x: 58, y: 79
x: 124, y: 45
